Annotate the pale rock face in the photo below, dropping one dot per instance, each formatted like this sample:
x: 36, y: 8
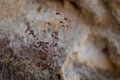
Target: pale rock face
x: 92, y: 41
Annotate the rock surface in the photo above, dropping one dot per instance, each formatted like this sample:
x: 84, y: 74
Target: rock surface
x: 88, y: 46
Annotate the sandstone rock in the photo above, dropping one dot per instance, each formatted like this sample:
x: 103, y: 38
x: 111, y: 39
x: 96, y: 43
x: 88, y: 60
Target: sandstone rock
x: 89, y: 45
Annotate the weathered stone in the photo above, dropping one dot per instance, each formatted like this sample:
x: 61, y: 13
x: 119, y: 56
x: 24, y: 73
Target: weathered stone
x: 89, y: 42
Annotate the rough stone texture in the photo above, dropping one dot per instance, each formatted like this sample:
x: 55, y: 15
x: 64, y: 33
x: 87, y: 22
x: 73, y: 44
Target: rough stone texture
x: 10, y: 9
x: 91, y: 43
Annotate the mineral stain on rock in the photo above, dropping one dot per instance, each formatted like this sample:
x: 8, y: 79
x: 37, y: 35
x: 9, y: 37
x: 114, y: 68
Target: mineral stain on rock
x: 10, y: 9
